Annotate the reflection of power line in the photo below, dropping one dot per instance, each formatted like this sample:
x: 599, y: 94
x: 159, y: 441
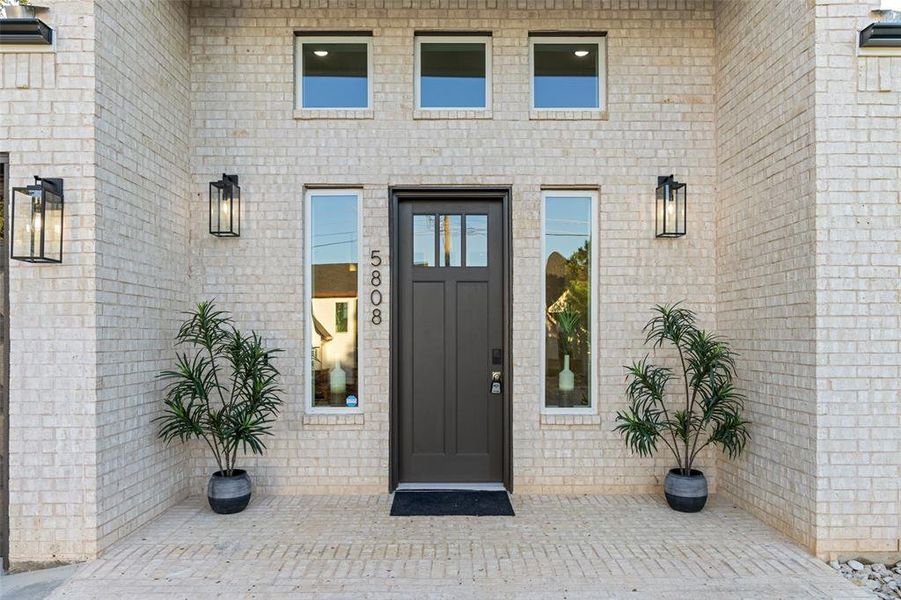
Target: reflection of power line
x: 353, y: 232
x: 338, y: 243
x: 581, y: 235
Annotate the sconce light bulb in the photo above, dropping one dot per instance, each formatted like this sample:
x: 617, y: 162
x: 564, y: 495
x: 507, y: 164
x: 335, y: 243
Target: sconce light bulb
x: 321, y: 53
x: 581, y: 53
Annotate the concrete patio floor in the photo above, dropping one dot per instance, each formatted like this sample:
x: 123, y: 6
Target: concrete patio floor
x: 556, y: 547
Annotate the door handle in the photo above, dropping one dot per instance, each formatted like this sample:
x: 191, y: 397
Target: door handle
x: 496, y: 383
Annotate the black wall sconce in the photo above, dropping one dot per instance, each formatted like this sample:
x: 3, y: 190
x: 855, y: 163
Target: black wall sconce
x: 671, y: 208
x: 225, y: 207
x: 37, y: 222
x: 886, y: 32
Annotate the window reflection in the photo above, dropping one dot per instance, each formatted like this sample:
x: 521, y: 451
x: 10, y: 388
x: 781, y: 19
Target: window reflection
x: 567, y: 268
x: 449, y: 240
x: 476, y: 240
x: 566, y: 75
x: 334, y: 240
x: 335, y: 75
x: 424, y: 240
x: 452, y: 75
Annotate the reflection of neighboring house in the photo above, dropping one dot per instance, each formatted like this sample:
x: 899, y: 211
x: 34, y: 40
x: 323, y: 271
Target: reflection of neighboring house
x: 321, y: 335
x: 334, y: 317
x: 555, y: 295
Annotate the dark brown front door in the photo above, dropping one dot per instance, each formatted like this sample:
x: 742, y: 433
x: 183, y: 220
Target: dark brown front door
x: 451, y: 335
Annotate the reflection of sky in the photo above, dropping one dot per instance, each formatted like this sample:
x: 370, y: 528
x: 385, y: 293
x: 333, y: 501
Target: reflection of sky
x: 476, y: 240
x: 334, y: 229
x: 453, y: 92
x: 567, y: 224
x: 334, y: 92
x: 553, y: 91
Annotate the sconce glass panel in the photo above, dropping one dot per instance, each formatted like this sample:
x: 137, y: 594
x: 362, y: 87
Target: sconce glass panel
x: 37, y: 222
x: 225, y: 207
x: 671, y: 208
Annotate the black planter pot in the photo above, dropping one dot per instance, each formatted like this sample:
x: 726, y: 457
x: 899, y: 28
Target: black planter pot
x: 685, y: 493
x: 228, y: 495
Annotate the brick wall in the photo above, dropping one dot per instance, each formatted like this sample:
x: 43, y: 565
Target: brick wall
x: 858, y: 262
x: 792, y: 251
x: 142, y: 129
x: 661, y: 111
x: 46, y: 125
x: 765, y: 244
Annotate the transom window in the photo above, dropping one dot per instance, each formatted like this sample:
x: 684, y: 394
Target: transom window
x: 568, y: 72
x: 333, y: 72
x: 450, y: 240
x: 569, y: 256
x: 453, y: 72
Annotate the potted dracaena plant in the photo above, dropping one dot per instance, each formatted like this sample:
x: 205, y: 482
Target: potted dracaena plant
x: 709, y: 414
x: 225, y: 392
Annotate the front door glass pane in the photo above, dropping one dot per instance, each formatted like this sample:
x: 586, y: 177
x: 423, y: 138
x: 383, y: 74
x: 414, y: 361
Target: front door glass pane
x: 566, y: 75
x: 449, y: 240
x: 452, y: 75
x: 476, y: 240
x: 424, y: 240
x: 334, y: 240
x: 567, y: 322
x: 335, y: 75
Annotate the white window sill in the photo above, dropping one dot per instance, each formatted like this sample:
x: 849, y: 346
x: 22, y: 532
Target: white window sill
x: 304, y: 114
x: 451, y: 114
x: 573, y: 114
x: 877, y: 51
x: 29, y: 48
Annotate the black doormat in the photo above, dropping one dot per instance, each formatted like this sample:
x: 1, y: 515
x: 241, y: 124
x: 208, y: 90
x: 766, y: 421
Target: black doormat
x: 451, y: 503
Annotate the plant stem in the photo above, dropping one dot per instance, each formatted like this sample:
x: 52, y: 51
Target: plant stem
x: 215, y: 452
x: 672, y: 433
x: 686, y: 469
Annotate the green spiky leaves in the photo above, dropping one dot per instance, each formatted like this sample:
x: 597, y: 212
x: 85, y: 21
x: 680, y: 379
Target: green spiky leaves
x: 709, y: 412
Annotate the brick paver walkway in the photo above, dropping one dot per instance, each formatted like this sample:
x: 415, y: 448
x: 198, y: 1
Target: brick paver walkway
x: 556, y: 547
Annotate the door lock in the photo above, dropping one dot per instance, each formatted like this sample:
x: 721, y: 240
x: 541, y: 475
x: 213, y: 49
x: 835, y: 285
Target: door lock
x: 496, y: 387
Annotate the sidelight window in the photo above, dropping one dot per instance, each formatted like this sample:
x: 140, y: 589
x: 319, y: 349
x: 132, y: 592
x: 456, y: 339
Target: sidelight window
x: 568, y: 72
x: 332, y: 284
x: 453, y: 72
x: 333, y: 72
x: 568, y: 299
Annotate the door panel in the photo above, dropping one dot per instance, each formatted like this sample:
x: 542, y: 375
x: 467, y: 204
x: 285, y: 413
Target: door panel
x: 472, y: 360
x: 450, y: 332
x: 428, y: 360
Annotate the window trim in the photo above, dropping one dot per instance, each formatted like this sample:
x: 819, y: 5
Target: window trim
x: 592, y: 408
x: 600, y: 40
x: 308, y: 302
x: 300, y: 39
x: 419, y: 39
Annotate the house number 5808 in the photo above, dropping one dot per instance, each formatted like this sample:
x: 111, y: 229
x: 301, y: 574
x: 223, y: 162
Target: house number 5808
x: 375, y: 279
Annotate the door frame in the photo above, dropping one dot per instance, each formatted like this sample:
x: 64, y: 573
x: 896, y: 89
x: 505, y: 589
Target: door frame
x: 397, y: 194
